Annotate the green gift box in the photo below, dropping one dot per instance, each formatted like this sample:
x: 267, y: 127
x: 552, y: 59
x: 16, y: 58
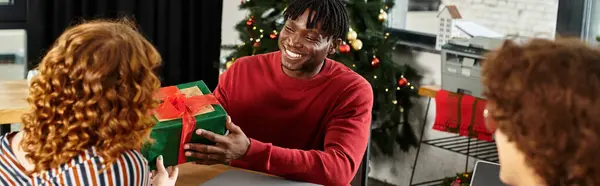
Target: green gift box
x: 182, y: 103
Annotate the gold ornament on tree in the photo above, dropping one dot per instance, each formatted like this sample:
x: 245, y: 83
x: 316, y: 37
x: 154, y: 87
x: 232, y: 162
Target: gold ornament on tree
x: 352, y: 35
x: 382, y: 16
x: 357, y: 44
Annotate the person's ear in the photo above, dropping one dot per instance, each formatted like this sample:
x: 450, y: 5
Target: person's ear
x: 334, y: 45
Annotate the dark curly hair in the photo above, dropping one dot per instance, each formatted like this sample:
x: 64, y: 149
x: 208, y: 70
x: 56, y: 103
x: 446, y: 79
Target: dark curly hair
x: 545, y: 97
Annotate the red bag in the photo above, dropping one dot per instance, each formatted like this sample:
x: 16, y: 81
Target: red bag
x: 446, y: 109
x: 462, y: 114
x: 466, y: 115
x: 479, y: 121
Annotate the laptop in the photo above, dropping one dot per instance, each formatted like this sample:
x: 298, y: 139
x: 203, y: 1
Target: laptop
x: 486, y: 174
x: 239, y: 177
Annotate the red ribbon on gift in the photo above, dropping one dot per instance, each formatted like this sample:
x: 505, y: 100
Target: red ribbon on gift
x: 177, y: 105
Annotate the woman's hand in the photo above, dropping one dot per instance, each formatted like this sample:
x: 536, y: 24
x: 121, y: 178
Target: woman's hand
x: 162, y: 176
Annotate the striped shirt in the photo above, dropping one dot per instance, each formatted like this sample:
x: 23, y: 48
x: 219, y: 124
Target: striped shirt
x: 130, y: 169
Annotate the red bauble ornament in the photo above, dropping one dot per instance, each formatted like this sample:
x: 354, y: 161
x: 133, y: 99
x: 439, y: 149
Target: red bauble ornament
x: 375, y: 62
x: 402, y: 82
x: 273, y: 35
x: 344, y: 48
x: 250, y: 21
x: 256, y: 44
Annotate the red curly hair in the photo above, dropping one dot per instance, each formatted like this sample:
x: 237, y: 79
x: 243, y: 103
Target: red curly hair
x: 94, y: 89
x: 545, y: 97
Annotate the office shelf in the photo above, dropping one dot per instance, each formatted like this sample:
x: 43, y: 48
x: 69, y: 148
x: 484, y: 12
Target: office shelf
x: 430, y: 183
x: 475, y: 148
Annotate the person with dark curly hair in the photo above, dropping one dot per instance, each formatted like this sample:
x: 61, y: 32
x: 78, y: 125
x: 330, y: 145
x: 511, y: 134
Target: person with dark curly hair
x: 544, y: 98
x: 89, y: 112
x: 295, y: 113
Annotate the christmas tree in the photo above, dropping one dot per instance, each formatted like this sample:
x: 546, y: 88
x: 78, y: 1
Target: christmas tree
x: 367, y: 50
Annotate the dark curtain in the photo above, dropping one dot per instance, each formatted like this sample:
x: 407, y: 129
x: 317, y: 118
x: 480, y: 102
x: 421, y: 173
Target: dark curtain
x: 187, y: 33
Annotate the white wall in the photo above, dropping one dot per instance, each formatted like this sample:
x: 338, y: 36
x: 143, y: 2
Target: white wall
x: 523, y: 17
x: 232, y: 15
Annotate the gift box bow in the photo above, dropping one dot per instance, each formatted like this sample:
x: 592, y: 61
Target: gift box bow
x: 183, y: 104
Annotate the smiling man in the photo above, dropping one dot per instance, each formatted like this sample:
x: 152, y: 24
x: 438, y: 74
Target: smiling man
x: 297, y: 114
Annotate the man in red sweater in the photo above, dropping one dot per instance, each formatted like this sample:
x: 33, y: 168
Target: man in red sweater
x: 297, y: 114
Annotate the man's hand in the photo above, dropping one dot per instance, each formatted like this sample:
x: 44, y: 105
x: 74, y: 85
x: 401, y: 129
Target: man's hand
x: 230, y: 147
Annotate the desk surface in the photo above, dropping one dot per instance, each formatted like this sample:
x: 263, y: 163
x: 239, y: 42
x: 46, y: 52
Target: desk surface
x: 13, y: 104
x: 193, y: 175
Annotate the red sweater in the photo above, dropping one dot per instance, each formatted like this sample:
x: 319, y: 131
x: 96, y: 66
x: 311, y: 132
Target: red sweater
x: 313, y: 130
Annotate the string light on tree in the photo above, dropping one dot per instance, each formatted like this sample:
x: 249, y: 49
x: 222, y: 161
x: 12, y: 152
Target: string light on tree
x: 257, y: 43
x: 273, y: 35
x: 382, y: 16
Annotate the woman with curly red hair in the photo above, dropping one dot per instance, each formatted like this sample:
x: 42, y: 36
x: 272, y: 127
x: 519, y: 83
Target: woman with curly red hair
x: 544, y: 98
x: 89, y: 112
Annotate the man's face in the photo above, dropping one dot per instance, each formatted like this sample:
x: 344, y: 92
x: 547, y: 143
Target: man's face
x: 303, y: 49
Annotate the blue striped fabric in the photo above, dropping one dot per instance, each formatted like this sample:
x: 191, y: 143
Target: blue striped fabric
x: 131, y: 169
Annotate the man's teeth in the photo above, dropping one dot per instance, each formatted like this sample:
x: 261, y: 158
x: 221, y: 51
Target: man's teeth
x: 294, y: 55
